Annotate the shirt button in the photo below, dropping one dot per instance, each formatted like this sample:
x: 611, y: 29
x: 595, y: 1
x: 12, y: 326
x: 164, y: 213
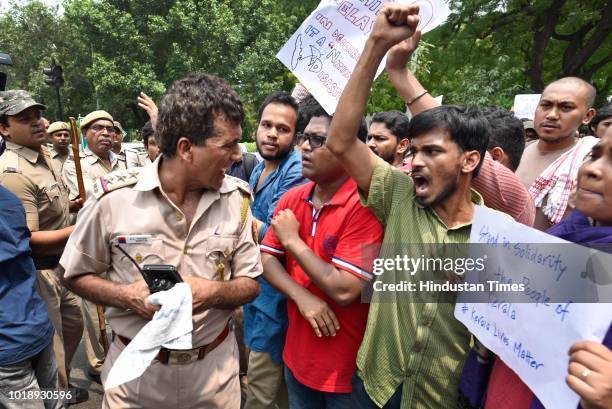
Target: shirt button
x: 185, y: 249
x: 179, y: 217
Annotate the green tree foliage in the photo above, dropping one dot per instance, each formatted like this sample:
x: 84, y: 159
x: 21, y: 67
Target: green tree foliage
x: 112, y: 49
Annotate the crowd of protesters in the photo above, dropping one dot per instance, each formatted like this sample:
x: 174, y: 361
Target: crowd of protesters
x: 276, y: 253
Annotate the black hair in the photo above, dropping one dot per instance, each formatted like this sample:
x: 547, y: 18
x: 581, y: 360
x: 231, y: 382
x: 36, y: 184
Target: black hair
x: 507, y: 132
x: 602, y: 113
x: 4, y: 120
x: 395, y: 121
x: 147, y: 131
x: 282, y: 98
x: 190, y: 108
x: 310, y: 108
x: 467, y: 127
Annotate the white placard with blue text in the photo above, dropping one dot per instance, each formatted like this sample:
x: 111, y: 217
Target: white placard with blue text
x: 534, y: 338
x: 323, y: 52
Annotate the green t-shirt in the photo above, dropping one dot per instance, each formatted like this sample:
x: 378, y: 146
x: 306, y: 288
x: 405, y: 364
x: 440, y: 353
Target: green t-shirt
x: 420, y: 345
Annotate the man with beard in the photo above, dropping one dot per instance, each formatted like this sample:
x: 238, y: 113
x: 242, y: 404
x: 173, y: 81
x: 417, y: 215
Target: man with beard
x: 265, y: 319
x: 412, y: 353
x: 313, y: 254
x: 97, y: 159
x: 59, y: 134
x: 549, y: 168
x: 388, y: 136
x: 26, y: 170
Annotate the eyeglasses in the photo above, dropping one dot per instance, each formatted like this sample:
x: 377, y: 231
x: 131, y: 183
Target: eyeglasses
x: 315, y: 141
x: 100, y: 128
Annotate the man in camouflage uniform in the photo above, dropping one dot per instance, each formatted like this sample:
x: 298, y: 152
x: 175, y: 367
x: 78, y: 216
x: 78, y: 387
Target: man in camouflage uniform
x: 26, y: 170
x: 183, y: 211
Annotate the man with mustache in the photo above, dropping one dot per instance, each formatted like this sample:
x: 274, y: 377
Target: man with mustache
x: 265, y: 319
x: 549, y: 167
x: 412, y: 353
x: 26, y: 170
x: 388, y: 137
x: 97, y: 159
x: 313, y: 254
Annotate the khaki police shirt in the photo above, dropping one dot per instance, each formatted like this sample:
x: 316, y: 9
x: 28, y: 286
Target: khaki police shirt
x: 218, y: 244
x: 31, y: 176
x: 92, y: 168
x: 58, y: 160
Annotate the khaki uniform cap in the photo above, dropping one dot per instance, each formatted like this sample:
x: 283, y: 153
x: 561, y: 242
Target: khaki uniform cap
x: 58, y: 126
x: 94, y: 116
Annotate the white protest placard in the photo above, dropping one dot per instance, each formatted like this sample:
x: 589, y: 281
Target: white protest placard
x: 525, y: 105
x: 533, y: 333
x: 323, y: 52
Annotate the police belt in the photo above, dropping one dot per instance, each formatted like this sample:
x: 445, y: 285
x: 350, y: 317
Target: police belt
x: 46, y: 262
x: 183, y: 356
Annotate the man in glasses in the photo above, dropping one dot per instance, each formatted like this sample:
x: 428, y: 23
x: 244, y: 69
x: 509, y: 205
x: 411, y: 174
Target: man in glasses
x: 97, y: 159
x: 314, y: 254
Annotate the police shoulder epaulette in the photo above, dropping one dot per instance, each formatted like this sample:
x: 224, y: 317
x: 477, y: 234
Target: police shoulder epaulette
x: 243, y: 186
x: 115, y: 180
x: 9, y: 162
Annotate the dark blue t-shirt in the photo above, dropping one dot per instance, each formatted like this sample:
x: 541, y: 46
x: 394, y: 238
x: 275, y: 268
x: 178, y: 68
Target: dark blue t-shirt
x: 25, y: 328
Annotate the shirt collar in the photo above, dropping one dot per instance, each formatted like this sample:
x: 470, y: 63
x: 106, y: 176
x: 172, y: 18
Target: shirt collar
x: 476, y: 199
x: 149, y: 179
x: 346, y: 191
x: 93, y: 158
x: 28, y: 153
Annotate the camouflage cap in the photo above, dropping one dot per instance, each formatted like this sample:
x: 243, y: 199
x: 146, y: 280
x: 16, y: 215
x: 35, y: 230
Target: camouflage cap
x: 94, y: 116
x: 15, y: 101
x: 118, y: 127
x: 58, y: 126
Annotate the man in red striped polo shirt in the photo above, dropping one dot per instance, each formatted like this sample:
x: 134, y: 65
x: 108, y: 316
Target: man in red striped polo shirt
x: 319, y: 253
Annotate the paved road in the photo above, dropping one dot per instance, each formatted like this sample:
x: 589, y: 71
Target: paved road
x: 78, y: 377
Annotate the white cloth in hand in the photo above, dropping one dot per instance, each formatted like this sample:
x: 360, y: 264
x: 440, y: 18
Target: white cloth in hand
x: 170, y: 327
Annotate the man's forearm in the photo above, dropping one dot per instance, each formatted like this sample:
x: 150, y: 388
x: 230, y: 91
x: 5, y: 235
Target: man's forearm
x: 410, y: 89
x: 352, y: 103
x: 230, y: 294
x: 277, y: 276
x: 340, y: 286
x: 51, y: 241
x: 97, y: 290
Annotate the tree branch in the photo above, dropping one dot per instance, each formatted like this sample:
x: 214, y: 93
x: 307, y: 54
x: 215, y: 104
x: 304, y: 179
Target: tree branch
x: 543, y: 34
x: 582, y: 54
x: 590, y: 71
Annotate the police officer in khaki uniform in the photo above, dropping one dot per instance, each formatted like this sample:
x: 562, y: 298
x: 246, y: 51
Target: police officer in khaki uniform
x: 59, y: 135
x: 26, y: 170
x: 97, y: 159
x: 130, y: 156
x: 183, y: 211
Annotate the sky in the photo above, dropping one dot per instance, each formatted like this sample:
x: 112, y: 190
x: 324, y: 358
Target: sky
x: 6, y: 4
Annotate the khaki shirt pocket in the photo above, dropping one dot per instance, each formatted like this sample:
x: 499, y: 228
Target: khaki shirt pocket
x: 219, y: 254
x: 148, y: 253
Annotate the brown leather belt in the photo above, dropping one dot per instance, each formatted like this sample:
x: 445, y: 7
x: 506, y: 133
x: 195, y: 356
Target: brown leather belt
x: 178, y: 356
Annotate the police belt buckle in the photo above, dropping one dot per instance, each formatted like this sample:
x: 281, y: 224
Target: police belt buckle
x: 183, y: 357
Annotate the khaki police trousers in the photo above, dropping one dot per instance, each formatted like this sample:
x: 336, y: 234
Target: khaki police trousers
x: 211, y: 383
x: 91, y: 339
x: 65, y: 312
x: 266, y: 383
